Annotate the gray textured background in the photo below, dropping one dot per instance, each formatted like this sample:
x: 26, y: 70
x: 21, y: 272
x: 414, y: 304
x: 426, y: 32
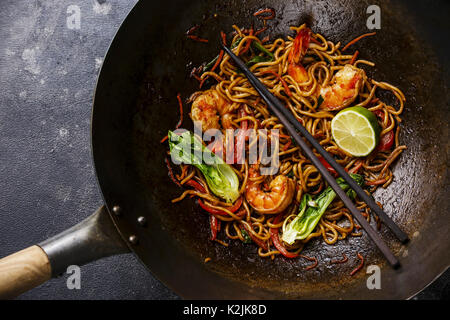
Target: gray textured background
x: 47, y: 181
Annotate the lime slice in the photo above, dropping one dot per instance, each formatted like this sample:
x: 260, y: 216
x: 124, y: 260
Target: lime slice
x: 356, y: 131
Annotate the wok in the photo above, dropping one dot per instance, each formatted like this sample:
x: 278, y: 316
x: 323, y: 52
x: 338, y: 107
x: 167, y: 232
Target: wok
x: 149, y: 62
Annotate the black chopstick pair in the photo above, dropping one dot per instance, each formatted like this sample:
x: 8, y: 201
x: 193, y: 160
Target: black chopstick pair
x: 292, y: 125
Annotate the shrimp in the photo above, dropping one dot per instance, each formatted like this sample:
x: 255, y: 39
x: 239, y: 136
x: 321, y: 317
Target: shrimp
x: 275, y: 200
x: 343, y: 90
x: 211, y: 110
x: 298, y: 51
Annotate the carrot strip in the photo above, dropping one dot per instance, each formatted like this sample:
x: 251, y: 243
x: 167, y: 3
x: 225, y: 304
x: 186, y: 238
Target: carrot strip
x: 164, y: 139
x: 355, y: 55
x: 316, y: 262
x: 213, y: 68
x: 261, y: 30
x: 169, y: 168
x: 263, y: 11
x: 197, y: 38
x: 181, y: 111
x: 360, y: 265
x: 357, y: 39
x: 192, y: 29
x: 376, y: 182
x: 202, y: 82
x: 287, y: 145
x: 286, y: 88
x: 357, y: 166
x: 218, y: 60
x: 247, y: 45
x: 344, y: 260
x: 224, y: 38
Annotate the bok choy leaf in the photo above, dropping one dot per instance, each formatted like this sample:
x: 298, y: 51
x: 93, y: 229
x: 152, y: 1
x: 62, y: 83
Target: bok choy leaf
x: 219, y: 176
x: 310, y: 211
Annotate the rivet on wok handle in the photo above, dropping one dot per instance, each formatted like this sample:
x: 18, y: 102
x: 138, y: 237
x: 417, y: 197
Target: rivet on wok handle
x: 142, y: 221
x: 116, y: 210
x: 133, y: 239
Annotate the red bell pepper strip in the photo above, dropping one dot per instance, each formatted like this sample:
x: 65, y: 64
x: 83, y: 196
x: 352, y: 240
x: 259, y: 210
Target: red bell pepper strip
x: 328, y: 167
x: 196, y: 185
x: 380, y: 115
x: 386, y: 141
x: 215, y: 226
x: 276, y: 240
x: 233, y: 208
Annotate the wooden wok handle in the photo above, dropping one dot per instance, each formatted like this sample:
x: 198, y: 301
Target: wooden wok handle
x: 93, y: 238
x: 23, y: 271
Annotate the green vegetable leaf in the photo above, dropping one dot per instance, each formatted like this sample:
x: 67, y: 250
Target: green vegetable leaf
x: 246, y: 237
x: 257, y: 59
x: 309, y: 215
x: 319, y: 101
x: 219, y: 176
x: 258, y: 46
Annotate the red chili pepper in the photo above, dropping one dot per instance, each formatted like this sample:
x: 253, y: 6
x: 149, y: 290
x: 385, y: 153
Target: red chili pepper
x: 215, y: 226
x: 386, y: 141
x: 276, y: 240
x: 233, y: 208
x: 328, y: 167
x: 196, y: 185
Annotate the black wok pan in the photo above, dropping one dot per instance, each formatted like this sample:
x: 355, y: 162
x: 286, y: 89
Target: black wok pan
x: 149, y: 62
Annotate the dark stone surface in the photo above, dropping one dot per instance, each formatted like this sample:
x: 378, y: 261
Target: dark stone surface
x: 47, y: 78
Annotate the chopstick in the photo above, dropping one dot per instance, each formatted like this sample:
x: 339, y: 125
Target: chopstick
x: 292, y: 125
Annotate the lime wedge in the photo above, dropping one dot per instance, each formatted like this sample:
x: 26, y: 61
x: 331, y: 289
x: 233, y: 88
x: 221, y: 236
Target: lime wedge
x: 356, y: 131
